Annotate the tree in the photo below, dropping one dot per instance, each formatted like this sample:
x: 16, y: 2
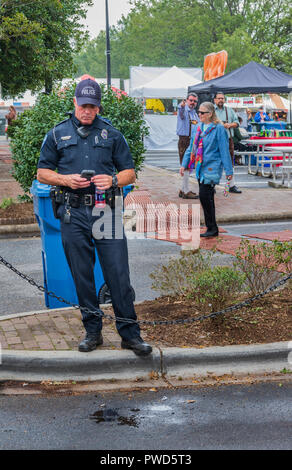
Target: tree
x: 240, y: 47
x: 263, y: 36
x: 148, y: 35
x: 182, y: 32
x: 92, y: 60
x: 37, y: 41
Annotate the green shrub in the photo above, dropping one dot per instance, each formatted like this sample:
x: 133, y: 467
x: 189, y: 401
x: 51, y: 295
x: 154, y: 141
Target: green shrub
x: 214, y: 288
x: 283, y: 254
x: 6, y: 202
x: 28, y: 131
x: 259, y: 263
x: 175, y: 278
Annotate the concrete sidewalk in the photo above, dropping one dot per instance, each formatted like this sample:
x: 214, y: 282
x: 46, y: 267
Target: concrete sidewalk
x: 253, y: 204
x: 43, y: 345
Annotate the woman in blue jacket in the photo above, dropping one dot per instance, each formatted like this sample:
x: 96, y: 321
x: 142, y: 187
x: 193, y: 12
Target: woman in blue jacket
x: 208, y: 154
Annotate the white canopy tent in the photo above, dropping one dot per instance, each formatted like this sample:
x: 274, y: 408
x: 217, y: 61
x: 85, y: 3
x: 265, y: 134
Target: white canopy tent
x: 172, y: 83
x: 139, y: 75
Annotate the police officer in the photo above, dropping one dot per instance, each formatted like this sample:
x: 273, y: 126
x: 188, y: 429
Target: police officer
x: 86, y: 141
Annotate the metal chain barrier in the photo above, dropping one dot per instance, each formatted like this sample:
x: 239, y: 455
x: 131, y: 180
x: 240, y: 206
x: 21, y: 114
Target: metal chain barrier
x: 99, y: 313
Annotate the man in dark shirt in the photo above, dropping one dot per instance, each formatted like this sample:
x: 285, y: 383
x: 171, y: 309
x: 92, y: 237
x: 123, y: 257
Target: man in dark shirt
x: 86, y: 141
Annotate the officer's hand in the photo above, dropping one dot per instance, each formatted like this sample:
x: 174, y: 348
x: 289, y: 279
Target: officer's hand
x: 102, y: 181
x: 76, y: 182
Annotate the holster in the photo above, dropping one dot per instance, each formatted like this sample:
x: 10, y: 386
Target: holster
x: 56, y: 198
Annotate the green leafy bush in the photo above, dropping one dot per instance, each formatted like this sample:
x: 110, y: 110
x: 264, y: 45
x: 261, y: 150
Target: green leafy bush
x: 259, y: 263
x: 214, y: 288
x: 6, y: 202
x: 191, y: 276
x: 175, y: 278
x: 283, y: 254
x: 28, y: 131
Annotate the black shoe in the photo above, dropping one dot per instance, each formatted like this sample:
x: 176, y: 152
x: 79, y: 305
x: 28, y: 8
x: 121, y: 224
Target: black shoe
x: 209, y: 233
x: 89, y: 343
x: 234, y: 189
x: 190, y: 195
x: 137, y: 345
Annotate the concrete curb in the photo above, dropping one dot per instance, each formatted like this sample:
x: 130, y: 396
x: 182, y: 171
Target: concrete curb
x: 73, y: 365
x: 254, y: 217
x: 247, y: 359
x: 19, y: 229
x: 124, y: 365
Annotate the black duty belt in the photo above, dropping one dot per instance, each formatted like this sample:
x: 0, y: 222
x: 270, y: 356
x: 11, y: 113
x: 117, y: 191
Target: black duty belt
x: 76, y: 200
x: 61, y: 196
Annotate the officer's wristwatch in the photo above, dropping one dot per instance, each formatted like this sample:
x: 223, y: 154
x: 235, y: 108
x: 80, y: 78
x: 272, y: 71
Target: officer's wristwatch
x: 115, y: 181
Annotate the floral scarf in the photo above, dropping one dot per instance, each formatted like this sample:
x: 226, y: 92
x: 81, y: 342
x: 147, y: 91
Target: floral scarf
x: 196, y: 158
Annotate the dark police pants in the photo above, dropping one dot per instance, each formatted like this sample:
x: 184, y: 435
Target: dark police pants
x: 206, y: 195
x: 79, y: 246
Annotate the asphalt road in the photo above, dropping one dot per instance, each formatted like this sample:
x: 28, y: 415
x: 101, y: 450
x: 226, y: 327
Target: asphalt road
x: 233, y: 417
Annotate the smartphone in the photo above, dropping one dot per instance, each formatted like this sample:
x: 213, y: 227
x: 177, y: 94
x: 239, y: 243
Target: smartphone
x: 88, y: 174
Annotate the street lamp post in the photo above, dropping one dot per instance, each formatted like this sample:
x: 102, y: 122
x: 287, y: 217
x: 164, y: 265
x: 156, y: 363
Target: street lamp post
x: 108, y: 50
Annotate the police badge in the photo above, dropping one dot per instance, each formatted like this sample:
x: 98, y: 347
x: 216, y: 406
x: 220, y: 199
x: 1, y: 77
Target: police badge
x: 104, y: 134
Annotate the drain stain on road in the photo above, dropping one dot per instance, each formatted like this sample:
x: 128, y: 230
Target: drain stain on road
x: 112, y: 415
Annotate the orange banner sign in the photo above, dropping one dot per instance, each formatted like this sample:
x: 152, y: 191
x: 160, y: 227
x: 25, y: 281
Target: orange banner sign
x: 215, y: 65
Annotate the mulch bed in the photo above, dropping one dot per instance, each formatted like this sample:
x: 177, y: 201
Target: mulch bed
x: 266, y: 320
x: 18, y: 213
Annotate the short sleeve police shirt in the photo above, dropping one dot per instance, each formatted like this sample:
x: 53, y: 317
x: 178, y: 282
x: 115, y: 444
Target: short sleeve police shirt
x: 104, y: 150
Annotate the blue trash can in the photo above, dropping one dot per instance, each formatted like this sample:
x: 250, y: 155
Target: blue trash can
x: 127, y: 189
x: 57, y: 274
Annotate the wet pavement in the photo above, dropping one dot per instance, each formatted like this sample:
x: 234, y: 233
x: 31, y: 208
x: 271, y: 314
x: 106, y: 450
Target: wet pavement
x: 255, y: 416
